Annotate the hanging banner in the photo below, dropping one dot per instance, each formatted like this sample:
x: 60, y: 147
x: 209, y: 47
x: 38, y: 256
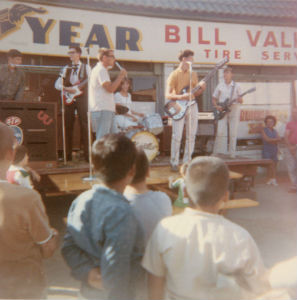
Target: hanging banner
x: 49, y: 30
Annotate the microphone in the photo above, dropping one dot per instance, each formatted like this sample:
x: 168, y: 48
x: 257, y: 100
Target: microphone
x: 118, y: 65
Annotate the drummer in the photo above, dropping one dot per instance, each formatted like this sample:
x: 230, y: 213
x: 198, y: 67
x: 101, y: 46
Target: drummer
x: 123, y: 97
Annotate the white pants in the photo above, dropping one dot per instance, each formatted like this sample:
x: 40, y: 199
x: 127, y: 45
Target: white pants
x: 221, y: 141
x: 191, y: 120
x: 291, y: 162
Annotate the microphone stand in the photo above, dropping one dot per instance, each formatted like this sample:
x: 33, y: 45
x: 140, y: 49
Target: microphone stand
x: 90, y: 177
x: 190, y: 115
x: 63, y: 120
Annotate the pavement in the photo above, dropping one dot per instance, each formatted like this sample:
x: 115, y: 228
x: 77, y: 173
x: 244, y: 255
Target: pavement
x: 273, y: 225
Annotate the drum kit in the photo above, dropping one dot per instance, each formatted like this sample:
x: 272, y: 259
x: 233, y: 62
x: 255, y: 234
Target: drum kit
x: 144, y: 134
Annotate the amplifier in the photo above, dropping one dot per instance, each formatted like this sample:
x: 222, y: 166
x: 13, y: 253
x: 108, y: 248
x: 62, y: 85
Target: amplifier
x: 35, y: 126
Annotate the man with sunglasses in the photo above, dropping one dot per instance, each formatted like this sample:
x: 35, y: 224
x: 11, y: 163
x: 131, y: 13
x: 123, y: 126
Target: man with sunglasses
x: 101, y: 93
x: 75, y: 81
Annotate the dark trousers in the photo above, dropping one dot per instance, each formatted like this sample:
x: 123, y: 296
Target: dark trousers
x: 81, y: 106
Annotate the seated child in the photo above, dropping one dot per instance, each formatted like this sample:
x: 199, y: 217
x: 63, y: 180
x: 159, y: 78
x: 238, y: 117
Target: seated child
x: 149, y: 206
x: 199, y: 254
x: 182, y: 199
x: 19, y: 172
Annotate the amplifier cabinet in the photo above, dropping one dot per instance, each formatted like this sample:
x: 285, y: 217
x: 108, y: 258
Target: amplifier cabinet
x: 35, y: 126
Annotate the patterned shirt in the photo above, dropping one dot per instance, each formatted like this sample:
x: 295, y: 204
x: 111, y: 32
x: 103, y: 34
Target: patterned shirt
x: 12, y: 83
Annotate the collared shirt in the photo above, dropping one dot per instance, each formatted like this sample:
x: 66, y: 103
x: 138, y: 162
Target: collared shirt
x: 179, y: 79
x: 205, y: 256
x: 102, y: 231
x: 223, y: 91
x: 12, y: 83
x: 99, y: 97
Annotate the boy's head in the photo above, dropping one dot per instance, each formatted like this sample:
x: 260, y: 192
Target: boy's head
x: 21, y: 155
x: 113, y: 157
x: 7, y: 141
x: 141, y: 167
x: 207, y: 180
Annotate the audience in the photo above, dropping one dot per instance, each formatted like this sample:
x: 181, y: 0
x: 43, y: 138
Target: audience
x: 25, y: 234
x: 199, y: 254
x: 270, y: 139
x: 103, y: 240
x: 19, y: 172
x: 148, y: 206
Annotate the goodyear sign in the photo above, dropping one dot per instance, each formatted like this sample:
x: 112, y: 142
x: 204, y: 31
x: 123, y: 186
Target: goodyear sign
x: 49, y: 30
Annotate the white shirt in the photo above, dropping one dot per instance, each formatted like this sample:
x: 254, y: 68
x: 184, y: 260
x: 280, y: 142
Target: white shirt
x: 223, y: 91
x: 99, y: 98
x: 126, y: 101
x: 205, y: 256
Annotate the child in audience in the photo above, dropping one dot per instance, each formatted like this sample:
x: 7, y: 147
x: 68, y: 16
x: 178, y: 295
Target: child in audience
x: 199, y: 254
x: 270, y: 139
x: 182, y: 199
x: 19, y: 172
x: 149, y: 206
x: 103, y: 244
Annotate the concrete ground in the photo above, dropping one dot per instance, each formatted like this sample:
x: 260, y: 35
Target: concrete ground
x: 273, y: 225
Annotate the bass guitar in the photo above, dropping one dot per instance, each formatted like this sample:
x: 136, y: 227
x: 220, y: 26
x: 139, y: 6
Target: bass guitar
x: 178, y: 108
x: 226, y: 105
x: 68, y: 97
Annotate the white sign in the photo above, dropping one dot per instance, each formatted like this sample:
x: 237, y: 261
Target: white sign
x: 49, y: 30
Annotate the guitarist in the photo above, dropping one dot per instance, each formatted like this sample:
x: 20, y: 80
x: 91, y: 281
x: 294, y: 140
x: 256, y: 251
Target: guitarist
x: 227, y: 126
x: 75, y: 73
x: 177, y: 81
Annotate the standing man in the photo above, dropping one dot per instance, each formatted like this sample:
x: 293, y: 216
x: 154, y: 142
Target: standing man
x: 75, y: 74
x: 12, y: 79
x: 25, y: 234
x: 101, y: 89
x: 179, y: 79
x: 227, y: 126
x: 291, y: 151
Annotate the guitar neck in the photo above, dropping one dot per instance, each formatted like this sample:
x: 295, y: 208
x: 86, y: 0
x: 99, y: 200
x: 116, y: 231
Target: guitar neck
x: 205, y: 79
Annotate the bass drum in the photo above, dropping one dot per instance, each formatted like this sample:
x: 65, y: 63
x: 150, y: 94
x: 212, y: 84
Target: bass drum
x: 153, y: 123
x: 147, y: 142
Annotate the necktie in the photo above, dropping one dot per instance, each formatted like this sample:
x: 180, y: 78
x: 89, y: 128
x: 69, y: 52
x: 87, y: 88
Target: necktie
x: 75, y: 69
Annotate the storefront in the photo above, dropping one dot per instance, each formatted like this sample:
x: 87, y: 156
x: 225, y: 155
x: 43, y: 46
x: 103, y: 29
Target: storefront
x: 263, y: 56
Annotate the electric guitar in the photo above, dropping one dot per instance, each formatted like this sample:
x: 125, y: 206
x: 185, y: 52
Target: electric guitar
x: 68, y: 97
x: 177, y: 109
x: 226, y: 105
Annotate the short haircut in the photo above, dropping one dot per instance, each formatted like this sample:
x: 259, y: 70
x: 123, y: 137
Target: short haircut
x: 14, y: 53
x: 7, y: 140
x: 141, y: 167
x: 76, y: 48
x: 228, y: 69
x: 104, y: 52
x: 113, y: 157
x: 185, y: 53
x: 19, y: 154
x: 273, y: 118
x: 207, y: 180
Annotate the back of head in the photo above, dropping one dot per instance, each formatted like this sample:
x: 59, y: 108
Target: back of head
x: 207, y: 180
x: 104, y: 52
x: 20, y: 153
x: 7, y: 140
x: 113, y: 157
x: 141, y: 166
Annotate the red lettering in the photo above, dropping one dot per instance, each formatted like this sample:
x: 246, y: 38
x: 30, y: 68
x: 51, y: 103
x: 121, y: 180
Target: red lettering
x: 226, y: 53
x: 287, y: 56
x: 276, y: 55
x: 283, y: 42
x: 253, y: 41
x: 265, y: 55
x: 216, y: 53
x: 207, y: 52
x: 188, y: 34
x: 295, y: 39
x: 217, y: 39
x: 200, y: 37
x: 172, y: 34
x: 270, y: 40
x: 45, y: 118
x: 237, y: 54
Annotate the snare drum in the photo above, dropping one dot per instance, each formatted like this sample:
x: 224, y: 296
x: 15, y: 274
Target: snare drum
x: 153, y: 123
x: 147, y: 142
